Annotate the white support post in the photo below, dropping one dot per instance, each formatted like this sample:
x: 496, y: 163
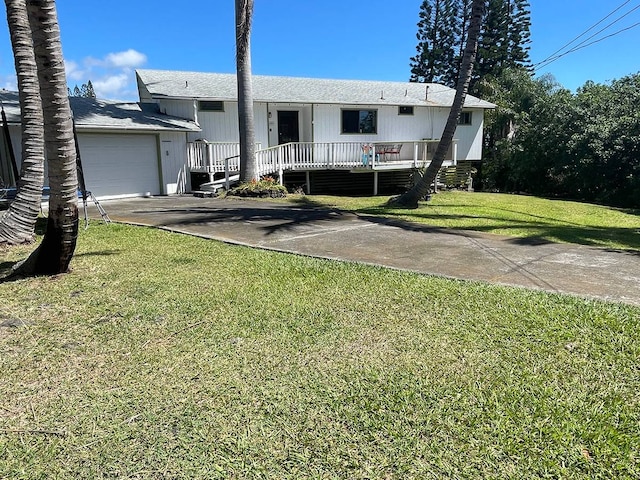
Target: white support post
x: 415, y: 155
x: 375, y: 183
x: 372, y: 161
x: 210, y: 169
x: 455, y: 153
x: 227, y: 183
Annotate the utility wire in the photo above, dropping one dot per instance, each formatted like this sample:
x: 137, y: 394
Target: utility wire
x: 578, y: 46
x: 584, y: 33
x: 556, y: 55
x: 581, y: 46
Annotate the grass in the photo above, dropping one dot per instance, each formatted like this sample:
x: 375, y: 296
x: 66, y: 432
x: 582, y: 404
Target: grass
x: 502, y: 214
x: 166, y: 356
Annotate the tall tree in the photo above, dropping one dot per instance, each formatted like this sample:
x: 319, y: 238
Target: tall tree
x: 86, y: 91
x: 420, y: 189
x: 248, y: 163
x: 17, y: 225
x: 55, y: 252
x: 493, y: 42
x: 438, y: 33
x: 519, y: 34
x: 503, y: 40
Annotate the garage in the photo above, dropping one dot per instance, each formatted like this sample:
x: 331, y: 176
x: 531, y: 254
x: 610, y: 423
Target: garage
x: 117, y: 165
x: 119, y: 146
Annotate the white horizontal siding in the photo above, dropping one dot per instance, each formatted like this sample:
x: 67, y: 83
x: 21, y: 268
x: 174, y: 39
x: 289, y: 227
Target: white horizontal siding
x: 391, y: 126
x: 322, y: 123
x: 173, y: 154
x: 470, y: 137
x: 223, y: 126
x: 178, y: 108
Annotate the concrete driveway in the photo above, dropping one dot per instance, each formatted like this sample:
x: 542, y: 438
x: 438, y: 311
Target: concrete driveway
x: 561, y: 268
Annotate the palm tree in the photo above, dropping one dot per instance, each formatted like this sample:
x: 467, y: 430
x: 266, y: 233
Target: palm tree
x: 248, y: 164
x: 18, y: 223
x: 421, y: 188
x: 56, y: 250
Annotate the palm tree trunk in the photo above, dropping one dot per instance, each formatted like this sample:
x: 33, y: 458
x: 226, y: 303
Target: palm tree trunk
x: 248, y: 164
x: 421, y: 188
x: 18, y: 223
x: 56, y: 250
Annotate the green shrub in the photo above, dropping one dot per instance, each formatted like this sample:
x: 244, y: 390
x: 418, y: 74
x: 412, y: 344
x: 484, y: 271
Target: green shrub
x: 266, y: 187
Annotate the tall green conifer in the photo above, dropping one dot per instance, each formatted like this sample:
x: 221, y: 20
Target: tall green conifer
x: 442, y: 31
x: 438, y: 43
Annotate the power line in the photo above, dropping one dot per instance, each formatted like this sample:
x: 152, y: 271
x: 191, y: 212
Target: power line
x: 581, y: 46
x: 554, y: 56
x: 585, y: 32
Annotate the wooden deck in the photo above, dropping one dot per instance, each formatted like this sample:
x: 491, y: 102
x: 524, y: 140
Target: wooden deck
x: 212, y: 158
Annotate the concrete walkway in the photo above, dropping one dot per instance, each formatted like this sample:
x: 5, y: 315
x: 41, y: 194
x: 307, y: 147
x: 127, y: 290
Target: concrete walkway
x: 561, y: 268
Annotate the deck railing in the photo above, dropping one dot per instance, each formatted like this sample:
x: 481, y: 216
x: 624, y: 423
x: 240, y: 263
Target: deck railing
x: 222, y: 157
x: 208, y: 157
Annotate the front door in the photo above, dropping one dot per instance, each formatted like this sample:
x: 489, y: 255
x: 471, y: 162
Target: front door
x: 288, y: 128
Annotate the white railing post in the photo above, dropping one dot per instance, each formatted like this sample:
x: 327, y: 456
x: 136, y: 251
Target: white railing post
x: 327, y: 158
x: 209, y: 157
x: 372, y: 162
x: 210, y: 167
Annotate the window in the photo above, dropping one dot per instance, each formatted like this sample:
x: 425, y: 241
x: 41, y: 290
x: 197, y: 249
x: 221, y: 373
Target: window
x: 465, y: 118
x: 210, y: 106
x: 359, y: 121
x: 405, y: 110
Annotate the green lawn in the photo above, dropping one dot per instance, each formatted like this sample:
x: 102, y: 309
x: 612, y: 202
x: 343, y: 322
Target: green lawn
x: 513, y: 215
x: 167, y: 356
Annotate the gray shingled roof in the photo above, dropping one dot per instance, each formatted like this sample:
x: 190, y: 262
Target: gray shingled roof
x: 221, y: 86
x: 90, y: 113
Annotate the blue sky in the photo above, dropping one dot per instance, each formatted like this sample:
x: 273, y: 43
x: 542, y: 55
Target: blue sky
x: 106, y: 41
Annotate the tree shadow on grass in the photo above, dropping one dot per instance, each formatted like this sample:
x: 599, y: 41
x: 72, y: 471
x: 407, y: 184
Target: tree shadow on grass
x: 540, y: 230
x: 536, y: 233
x: 6, y: 268
x: 284, y: 217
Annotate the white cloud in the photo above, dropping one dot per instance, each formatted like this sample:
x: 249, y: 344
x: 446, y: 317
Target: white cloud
x: 112, y: 76
x: 107, y: 87
x: 73, y: 70
x: 129, y: 59
x: 9, y: 82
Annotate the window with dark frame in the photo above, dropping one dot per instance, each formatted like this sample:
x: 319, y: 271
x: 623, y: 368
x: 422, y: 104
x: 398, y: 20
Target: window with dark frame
x: 404, y: 110
x: 465, y: 118
x: 210, y: 106
x: 359, y: 121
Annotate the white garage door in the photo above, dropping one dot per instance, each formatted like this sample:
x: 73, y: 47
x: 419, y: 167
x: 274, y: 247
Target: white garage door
x: 119, y: 165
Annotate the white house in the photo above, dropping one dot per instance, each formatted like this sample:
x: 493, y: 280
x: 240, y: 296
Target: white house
x: 127, y: 149
x: 317, y: 132
x: 328, y: 135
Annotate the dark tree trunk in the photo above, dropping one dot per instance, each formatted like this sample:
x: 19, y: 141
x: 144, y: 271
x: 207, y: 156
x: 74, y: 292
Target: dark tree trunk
x: 411, y: 198
x: 58, y: 245
x: 248, y: 163
x: 17, y: 225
